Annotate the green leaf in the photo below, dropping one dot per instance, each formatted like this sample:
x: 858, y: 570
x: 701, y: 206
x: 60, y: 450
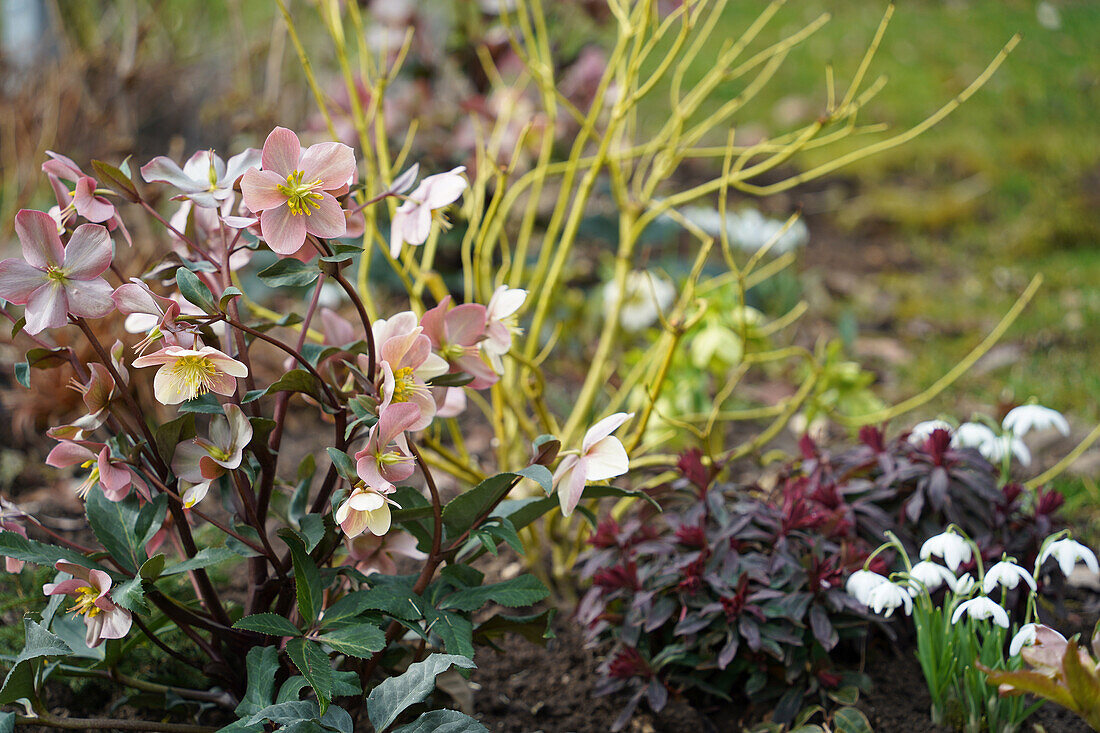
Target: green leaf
x: 296, y: 380
x: 39, y: 553
x: 262, y: 663
x: 443, y: 721
x: 116, y: 180
x: 345, y: 466
x: 314, y: 665
x: 271, y: 624
x: 851, y: 720
x: 291, y: 689
x: 227, y: 295
x: 38, y: 643
x: 456, y: 631
x: 172, y: 433
x: 299, y: 501
x: 7, y: 722
x: 204, y: 558
x: 206, y: 404
x: 347, y: 607
x: 533, y: 627
x: 524, y: 590
x: 307, y: 578
x: 152, y: 568
x: 150, y: 519
x: 360, y: 640
x: 392, y: 696
x: 195, y: 291
x: 130, y: 595
x: 114, y: 523
x: 398, y: 601
x: 23, y: 374
x: 461, y: 512
x: 311, y: 529
x: 289, y: 272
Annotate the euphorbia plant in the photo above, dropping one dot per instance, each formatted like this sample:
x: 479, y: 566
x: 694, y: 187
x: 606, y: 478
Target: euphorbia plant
x: 183, y: 473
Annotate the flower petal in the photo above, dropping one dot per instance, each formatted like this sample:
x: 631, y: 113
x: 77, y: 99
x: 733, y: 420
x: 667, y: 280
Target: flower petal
x: 47, y: 308
x: 91, y: 207
x: 89, y: 298
x: 331, y: 163
x: 604, y: 428
x: 88, y: 252
x: 37, y: 232
x: 444, y: 188
x: 281, y: 152
x: 606, y: 459
x: 165, y: 170
x: 327, y: 221
x: 378, y: 521
x: 237, y: 165
x: 570, y: 479
x: 283, y: 231
x: 18, y: 281
x: 259, y: 190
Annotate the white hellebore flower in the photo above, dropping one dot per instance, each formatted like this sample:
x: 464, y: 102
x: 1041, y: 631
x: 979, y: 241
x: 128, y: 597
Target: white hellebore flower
x: 647, y: 295
x: 932, y: 575
x: 980, y: 608
x: 922, y: 431
x: 365, y: 509
x: 1025, y: 418
x: 951, y: 547
x: 412, y: 222
x: 861, y: 583
x: 500, y: 324
x: 1007, y: 574
x: 993, y: 447
x: 885, y: 598
x: 1067, y: 552
x: 1027, y: 636
x: 602, y: 457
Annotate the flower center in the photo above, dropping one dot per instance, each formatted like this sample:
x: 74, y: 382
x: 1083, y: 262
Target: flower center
x: 55, y: 273
x: 404, y: 386
x: 453, y: 352
x: 192, y: 375
x: 389, y: 458
x: 85, y: 602
x: 92, y: 479
x: 301, y: 197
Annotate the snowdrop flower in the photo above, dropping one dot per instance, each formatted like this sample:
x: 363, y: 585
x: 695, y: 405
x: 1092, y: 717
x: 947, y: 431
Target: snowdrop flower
x: 861, y: 583
x: 964, y: 585
x: 749, y: 229
x: 1067, y: 552
x: 1028, y: 635
x: 602, y: 457
x: 647, y: 295
x: 951, y: 547
x: 102, y: 618
x: 54, y: 280
x: 885, y: 598
x: 205, y: 178
x: 1007, y: 574
x: 1025, y: 418
x: 993, y: 447
x: 932, y: 575
x: 923, y: 430
x: 185, y: 374
x: 412, y: 221
x: 981, y: 607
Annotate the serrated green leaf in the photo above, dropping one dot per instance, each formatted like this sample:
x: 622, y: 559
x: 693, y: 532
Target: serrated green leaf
x: 345, y: 466
x: 359, y: 640
x: 536, y: 627
x: 288, y: 272
x: 204, y: 558
x: 38, y: 643
x: 314, y: 665
x: 307, y: 578
x: 271, y: 624
x: 113, y: 523
x: 206, y: 404
x: 195, y: 291
x: 524, y: 590
x: 38, y: 553
x: 153, y: 567
x: 443, y: 721
x: 130, y: 595
x: 456, y: 631
x: 311, y: 529
x: 392, y: 696
x: 262, y: 664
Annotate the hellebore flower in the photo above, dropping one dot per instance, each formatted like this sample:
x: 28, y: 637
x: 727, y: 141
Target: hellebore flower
x: 646, y: 296
x: 205, y: 178
x: 1028, y: 635
x: 932, y: 575
x: 199, y: 459
x: 375, y: 463
x: 412, y: 221
x: 114, y: 479
x: 97, y: 393
x: 293, y: 190
x: 885, y: 598
x: 84, y: 199
x: 980, y: 608
x: 602, y: 457
x: 1007, y: 574
x: 455, y: 334
x: 102, y: 618
x: 861, y: 583
x: 373, y: 554
x: 185, y: 374
x: 1025, y: 418
x: 922, y: 431
x: 366, y: 508
x: 951, y: 547
x: 500, y: 323
x: 407, y: 364
x: 57, y: 280
x: 193, y: 493
x: 1067, y: 552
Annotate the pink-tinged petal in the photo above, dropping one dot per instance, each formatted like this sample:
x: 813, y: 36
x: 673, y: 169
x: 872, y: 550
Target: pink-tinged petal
x: 483, y: 374
x: 46, y: 308
x: 223, y: 384
x: 12, y: 565
x: 443, y: 188
x: 417, y: 226
x: 606, y: 459
x: 167, y: 390
x: 378, y: 522
x: 237, y: 165
x: 337, y: 329
x: 395, y: 472
x: 210, y: 469
x: 197, y: 167
x: 240, y: 429
x: 91, y: 207
x: 135, y: 297
x: 395, y: 420
x: 604, y: 428
x: 434, y: 322
x: 327, y: 221
x: 185, y: 461
x: 166, y: 355
x: 367, y: 469
x: 451, y: 402
x: 18, y: 281
x: 331, y: 163
x: 570, y: 481
x: 259, y: 190
x: 394, y: 349
x: 88, y: 252
x: 61, y: 166
x: 112, y: 479
x: 283, y: 231
x: 89, y: 298
x: 98, y: 579
x: 116, y: 622
x: 77, y: 571
x: 65, y: 587
x: 239, y: 222
x: 223, y: 362
x: 37, y: 232
x: 426, y: 405
x: 466, y: 324
x: 352, y: 523
x: 396, y: 325
x: 281, y: 152
x: 68, y: 454
x: 397, y: 232
x: 166, y: 170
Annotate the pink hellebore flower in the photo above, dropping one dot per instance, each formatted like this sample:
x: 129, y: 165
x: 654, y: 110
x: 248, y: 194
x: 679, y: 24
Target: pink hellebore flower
x: 602, y: 456
x: 455, y: 334
x: 151, y: 314
x: 57, y: 280
x: 500, y: 323
x: 407, y: 363
x: 84, y: 199
x: 365, y: 509
x: 188, y: 373
x: 97, y: 393
x: 375, y: 463
x: 102, y: 618
x: 412, y: 222
x: 373, y: 554
x: 199, y: 459
x: 293, y: 190
x: 205, y: 178
x: 114, y: 479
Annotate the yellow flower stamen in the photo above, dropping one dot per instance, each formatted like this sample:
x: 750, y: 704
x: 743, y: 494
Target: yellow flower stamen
x: 404, y: 385
x: 85, y: 603
x: 193, y: 376
x: 300, y: 197
x: 92, y: 479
